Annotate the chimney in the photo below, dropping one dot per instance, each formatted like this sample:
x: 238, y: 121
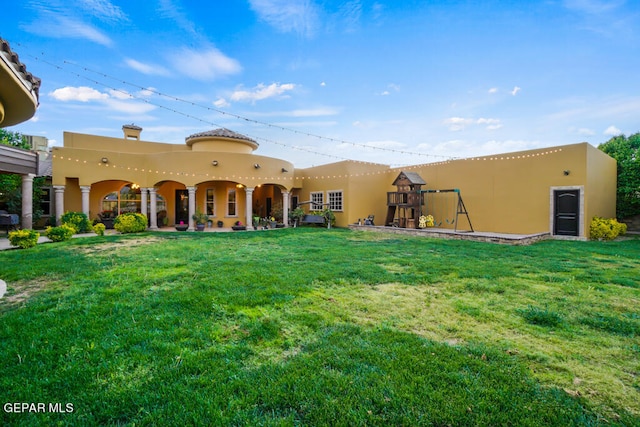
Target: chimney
x: 131, y: 131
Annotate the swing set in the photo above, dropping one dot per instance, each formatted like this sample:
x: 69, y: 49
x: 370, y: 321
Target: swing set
x: 458, y: 207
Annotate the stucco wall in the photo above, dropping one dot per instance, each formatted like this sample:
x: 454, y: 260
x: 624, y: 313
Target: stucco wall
x: 507, y: 193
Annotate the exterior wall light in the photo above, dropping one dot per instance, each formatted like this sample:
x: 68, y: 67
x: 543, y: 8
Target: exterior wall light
x: 284, y: 170
x: 214, y: 163
x: 567, y: 172
x: 104, y: 160
x: 256, y: 165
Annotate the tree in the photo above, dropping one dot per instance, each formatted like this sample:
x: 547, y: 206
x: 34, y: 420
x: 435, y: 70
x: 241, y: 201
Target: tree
x: 11, y: 185
x: 14, y: 139
x: 626, y: 151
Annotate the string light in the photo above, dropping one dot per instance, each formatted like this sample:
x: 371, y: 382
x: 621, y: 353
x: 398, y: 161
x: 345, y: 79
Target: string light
x: 243, y: 118
x: 316, y: 177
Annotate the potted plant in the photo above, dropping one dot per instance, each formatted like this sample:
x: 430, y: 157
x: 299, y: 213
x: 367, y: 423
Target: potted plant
x: 272, y: 222
x: 201, y: 220
x: 296, y: 216
x: 220, y: 224
x: 182, y: 226
x: 238, y: 226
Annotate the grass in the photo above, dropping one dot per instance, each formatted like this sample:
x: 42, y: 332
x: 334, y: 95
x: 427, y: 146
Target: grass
x: 317, y: 327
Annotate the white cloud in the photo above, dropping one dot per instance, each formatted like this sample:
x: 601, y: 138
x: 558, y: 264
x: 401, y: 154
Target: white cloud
x: 323, y: 84
x: 172, y: 10
x: 119, y: 94
x: 457, y: 123
x: 460, y: 123
x: 351, y: 13
x: 103, y: 9
x: 148, y: 69
x: 122, y: 106
x: 205, y: 65
x: 81, y: 93
x: 493, y: 90
x: 298, y: 16
x: 515, y: 90
x: 393, y: 87
x: 118, y: 101
x: 261, y: 92
x: 58, y: 20
x: 612, y: 131
x: 146, y: 93
x: 585, y: 132
x: 221, y: 102
x: 492, y: 124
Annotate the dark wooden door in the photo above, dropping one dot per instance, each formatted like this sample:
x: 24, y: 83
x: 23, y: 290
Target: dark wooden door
x: 182, y: 206
x: 566, y: 212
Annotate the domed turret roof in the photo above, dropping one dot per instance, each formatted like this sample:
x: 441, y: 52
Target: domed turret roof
x: 220, y: 133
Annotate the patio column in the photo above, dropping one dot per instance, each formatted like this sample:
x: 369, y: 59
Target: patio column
x: 249, y: 207
x: 153, y: 215
x: 27, y: 201
x: 59, y: 190
x: 285, y: 208
x: 85, y: 189
x: 192, y: 206
x: 143, y: 201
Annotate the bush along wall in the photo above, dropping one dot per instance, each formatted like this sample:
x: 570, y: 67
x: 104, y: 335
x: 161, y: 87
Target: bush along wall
x: 130, y: 222
x: 24, y: 238
x: 606, y: 229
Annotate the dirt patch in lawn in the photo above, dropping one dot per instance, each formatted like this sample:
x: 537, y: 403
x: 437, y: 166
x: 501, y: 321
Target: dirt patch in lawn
x: 120, y: 244
x: 20, y: 292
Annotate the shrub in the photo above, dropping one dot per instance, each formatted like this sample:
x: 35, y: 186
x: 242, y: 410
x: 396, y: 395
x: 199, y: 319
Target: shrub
x: 99, y: 229
x: 60, y: 233
x: 78, y: 220
x: 130, y: 222
x: 24, y: 238
x: 606, y: 229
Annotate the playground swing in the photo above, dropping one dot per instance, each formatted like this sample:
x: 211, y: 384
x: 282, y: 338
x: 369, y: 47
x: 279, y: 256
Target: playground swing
x: 433, y: 207
x: 453, y: 220
x: 433, y: 204
x: 459, y: 207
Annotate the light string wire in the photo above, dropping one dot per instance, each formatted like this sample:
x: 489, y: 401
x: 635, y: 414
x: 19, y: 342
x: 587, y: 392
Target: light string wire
x: 235, y: 176
x: 414, y: 166
x: 190, y: 116
x: 237, y: 116
x: 246, y: 119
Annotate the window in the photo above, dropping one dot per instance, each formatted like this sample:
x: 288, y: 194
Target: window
x: 45, y: 201
x: 231, y: 203
x: 210, y: 202
x: 335, y: 200
x: 317, y: 200
x: 127, y: 200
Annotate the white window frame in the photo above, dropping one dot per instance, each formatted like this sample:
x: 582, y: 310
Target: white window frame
x: 234, y: 203
x: 332, y: 204
x: 212, y: 203
x: 315, y: 206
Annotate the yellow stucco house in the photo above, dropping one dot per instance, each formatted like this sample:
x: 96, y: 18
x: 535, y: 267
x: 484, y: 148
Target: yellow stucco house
x: 555, y: 190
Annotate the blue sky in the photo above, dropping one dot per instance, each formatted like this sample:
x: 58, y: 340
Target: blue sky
x: 318, y: 81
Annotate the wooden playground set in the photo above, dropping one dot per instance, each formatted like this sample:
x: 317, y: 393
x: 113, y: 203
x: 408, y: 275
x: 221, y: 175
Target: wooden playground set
x: 412, y: 207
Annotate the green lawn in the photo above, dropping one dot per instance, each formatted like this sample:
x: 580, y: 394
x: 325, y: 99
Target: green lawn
x: 315, y: 327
